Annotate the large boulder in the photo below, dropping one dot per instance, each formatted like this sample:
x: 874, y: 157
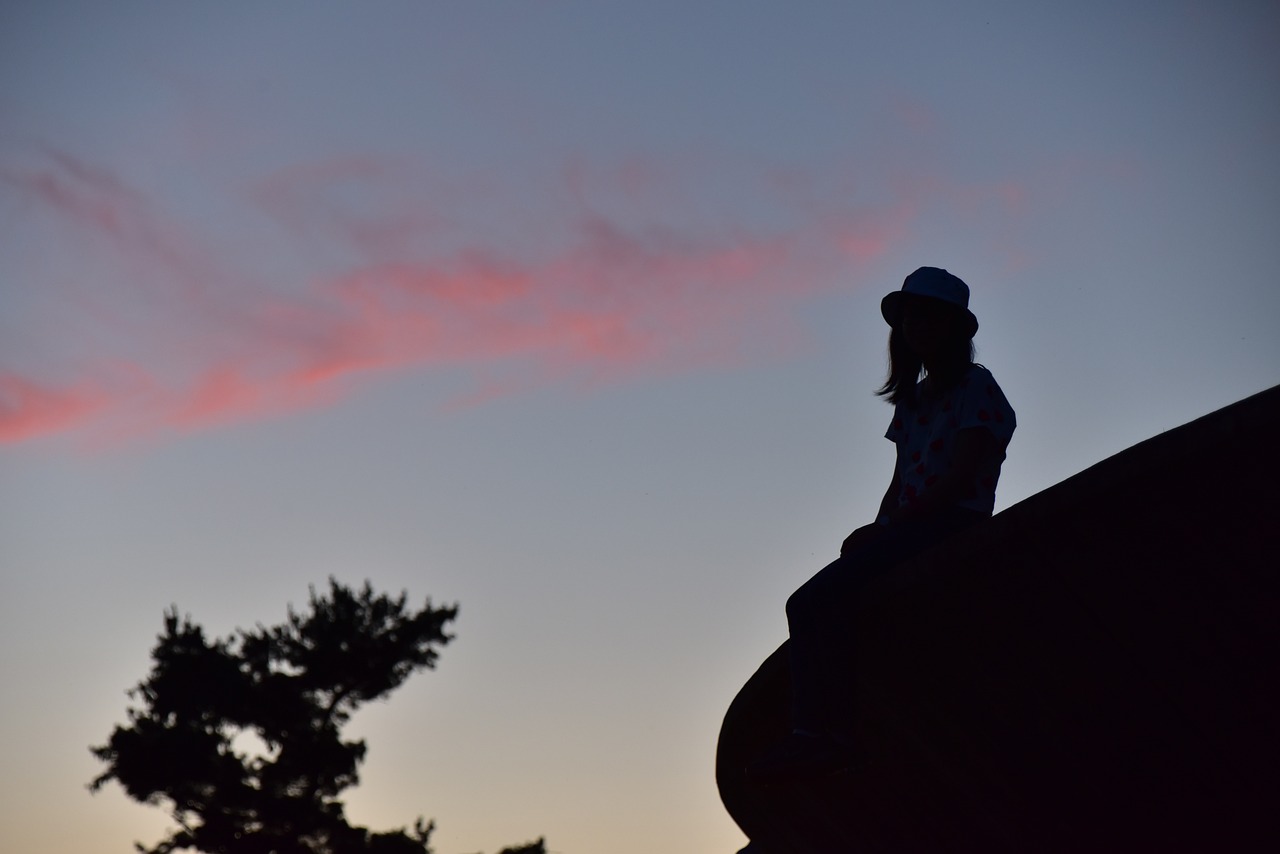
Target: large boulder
x: 1093, y: 669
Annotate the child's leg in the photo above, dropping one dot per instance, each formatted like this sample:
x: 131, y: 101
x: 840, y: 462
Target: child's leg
x: 820, y: 617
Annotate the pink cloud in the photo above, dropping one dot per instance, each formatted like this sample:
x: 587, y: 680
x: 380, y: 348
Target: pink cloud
x: 308, y: 201
x: 611, y: 303
x: 868, y: 237
x: 97, y: 200
x: 29, y: 410
x: 220, y: 394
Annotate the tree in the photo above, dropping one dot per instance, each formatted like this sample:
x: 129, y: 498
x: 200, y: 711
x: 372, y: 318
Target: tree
x: 294, y: 686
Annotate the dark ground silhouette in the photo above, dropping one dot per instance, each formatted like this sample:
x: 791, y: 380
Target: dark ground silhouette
x: 1093, y: 669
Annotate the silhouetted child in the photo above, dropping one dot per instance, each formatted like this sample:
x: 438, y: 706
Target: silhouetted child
x: 951, y: 429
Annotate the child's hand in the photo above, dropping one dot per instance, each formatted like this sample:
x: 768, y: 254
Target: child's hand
x: 859, y: 538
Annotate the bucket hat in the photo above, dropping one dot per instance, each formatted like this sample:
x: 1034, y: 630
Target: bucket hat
x: 929, y: 283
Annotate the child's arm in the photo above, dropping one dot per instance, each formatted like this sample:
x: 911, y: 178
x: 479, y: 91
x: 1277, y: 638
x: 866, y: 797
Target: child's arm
x: 889, y: 504
x: 956, y: 484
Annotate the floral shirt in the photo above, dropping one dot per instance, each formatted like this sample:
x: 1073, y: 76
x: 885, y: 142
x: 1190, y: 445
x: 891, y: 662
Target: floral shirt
x: 925, y: 436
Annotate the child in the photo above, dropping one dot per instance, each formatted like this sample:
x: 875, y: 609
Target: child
x: 951, y: 430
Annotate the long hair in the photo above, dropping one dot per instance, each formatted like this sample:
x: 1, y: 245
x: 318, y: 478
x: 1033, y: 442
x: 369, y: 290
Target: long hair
x: 905, y: 368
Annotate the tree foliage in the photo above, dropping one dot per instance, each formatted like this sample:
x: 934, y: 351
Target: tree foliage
x: 293, y: 686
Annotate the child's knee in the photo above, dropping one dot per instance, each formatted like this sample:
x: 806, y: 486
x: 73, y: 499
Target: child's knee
x: 797, y: 606
x: 811, y: 599
x: 805, y: 604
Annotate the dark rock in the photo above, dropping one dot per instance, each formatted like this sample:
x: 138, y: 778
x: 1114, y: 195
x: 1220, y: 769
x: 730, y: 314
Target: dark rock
x: 1093, y: 669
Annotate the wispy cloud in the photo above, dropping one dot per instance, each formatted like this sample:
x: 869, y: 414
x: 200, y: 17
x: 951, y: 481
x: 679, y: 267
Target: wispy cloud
x: 611, y: 301
x: 29, y: 410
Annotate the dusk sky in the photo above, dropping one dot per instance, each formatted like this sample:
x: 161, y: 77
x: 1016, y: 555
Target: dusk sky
x: 566, y: 312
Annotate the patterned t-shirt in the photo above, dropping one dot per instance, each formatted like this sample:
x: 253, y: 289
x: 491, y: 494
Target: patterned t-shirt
x: 925, y: 436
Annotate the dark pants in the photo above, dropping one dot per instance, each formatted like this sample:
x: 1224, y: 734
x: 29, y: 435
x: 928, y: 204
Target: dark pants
x: 820, y: 613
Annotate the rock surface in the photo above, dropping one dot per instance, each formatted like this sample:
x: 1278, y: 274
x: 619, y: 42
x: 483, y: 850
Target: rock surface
x: 1093, y: 669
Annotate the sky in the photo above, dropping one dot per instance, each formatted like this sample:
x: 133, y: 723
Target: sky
x: 567, y: 313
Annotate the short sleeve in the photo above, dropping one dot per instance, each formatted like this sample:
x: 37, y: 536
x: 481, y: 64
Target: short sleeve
x: 896, y: 432
x: 981, y: 403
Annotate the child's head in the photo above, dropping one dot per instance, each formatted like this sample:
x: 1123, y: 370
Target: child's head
x: 935, y: 298
x: 931, y: 327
